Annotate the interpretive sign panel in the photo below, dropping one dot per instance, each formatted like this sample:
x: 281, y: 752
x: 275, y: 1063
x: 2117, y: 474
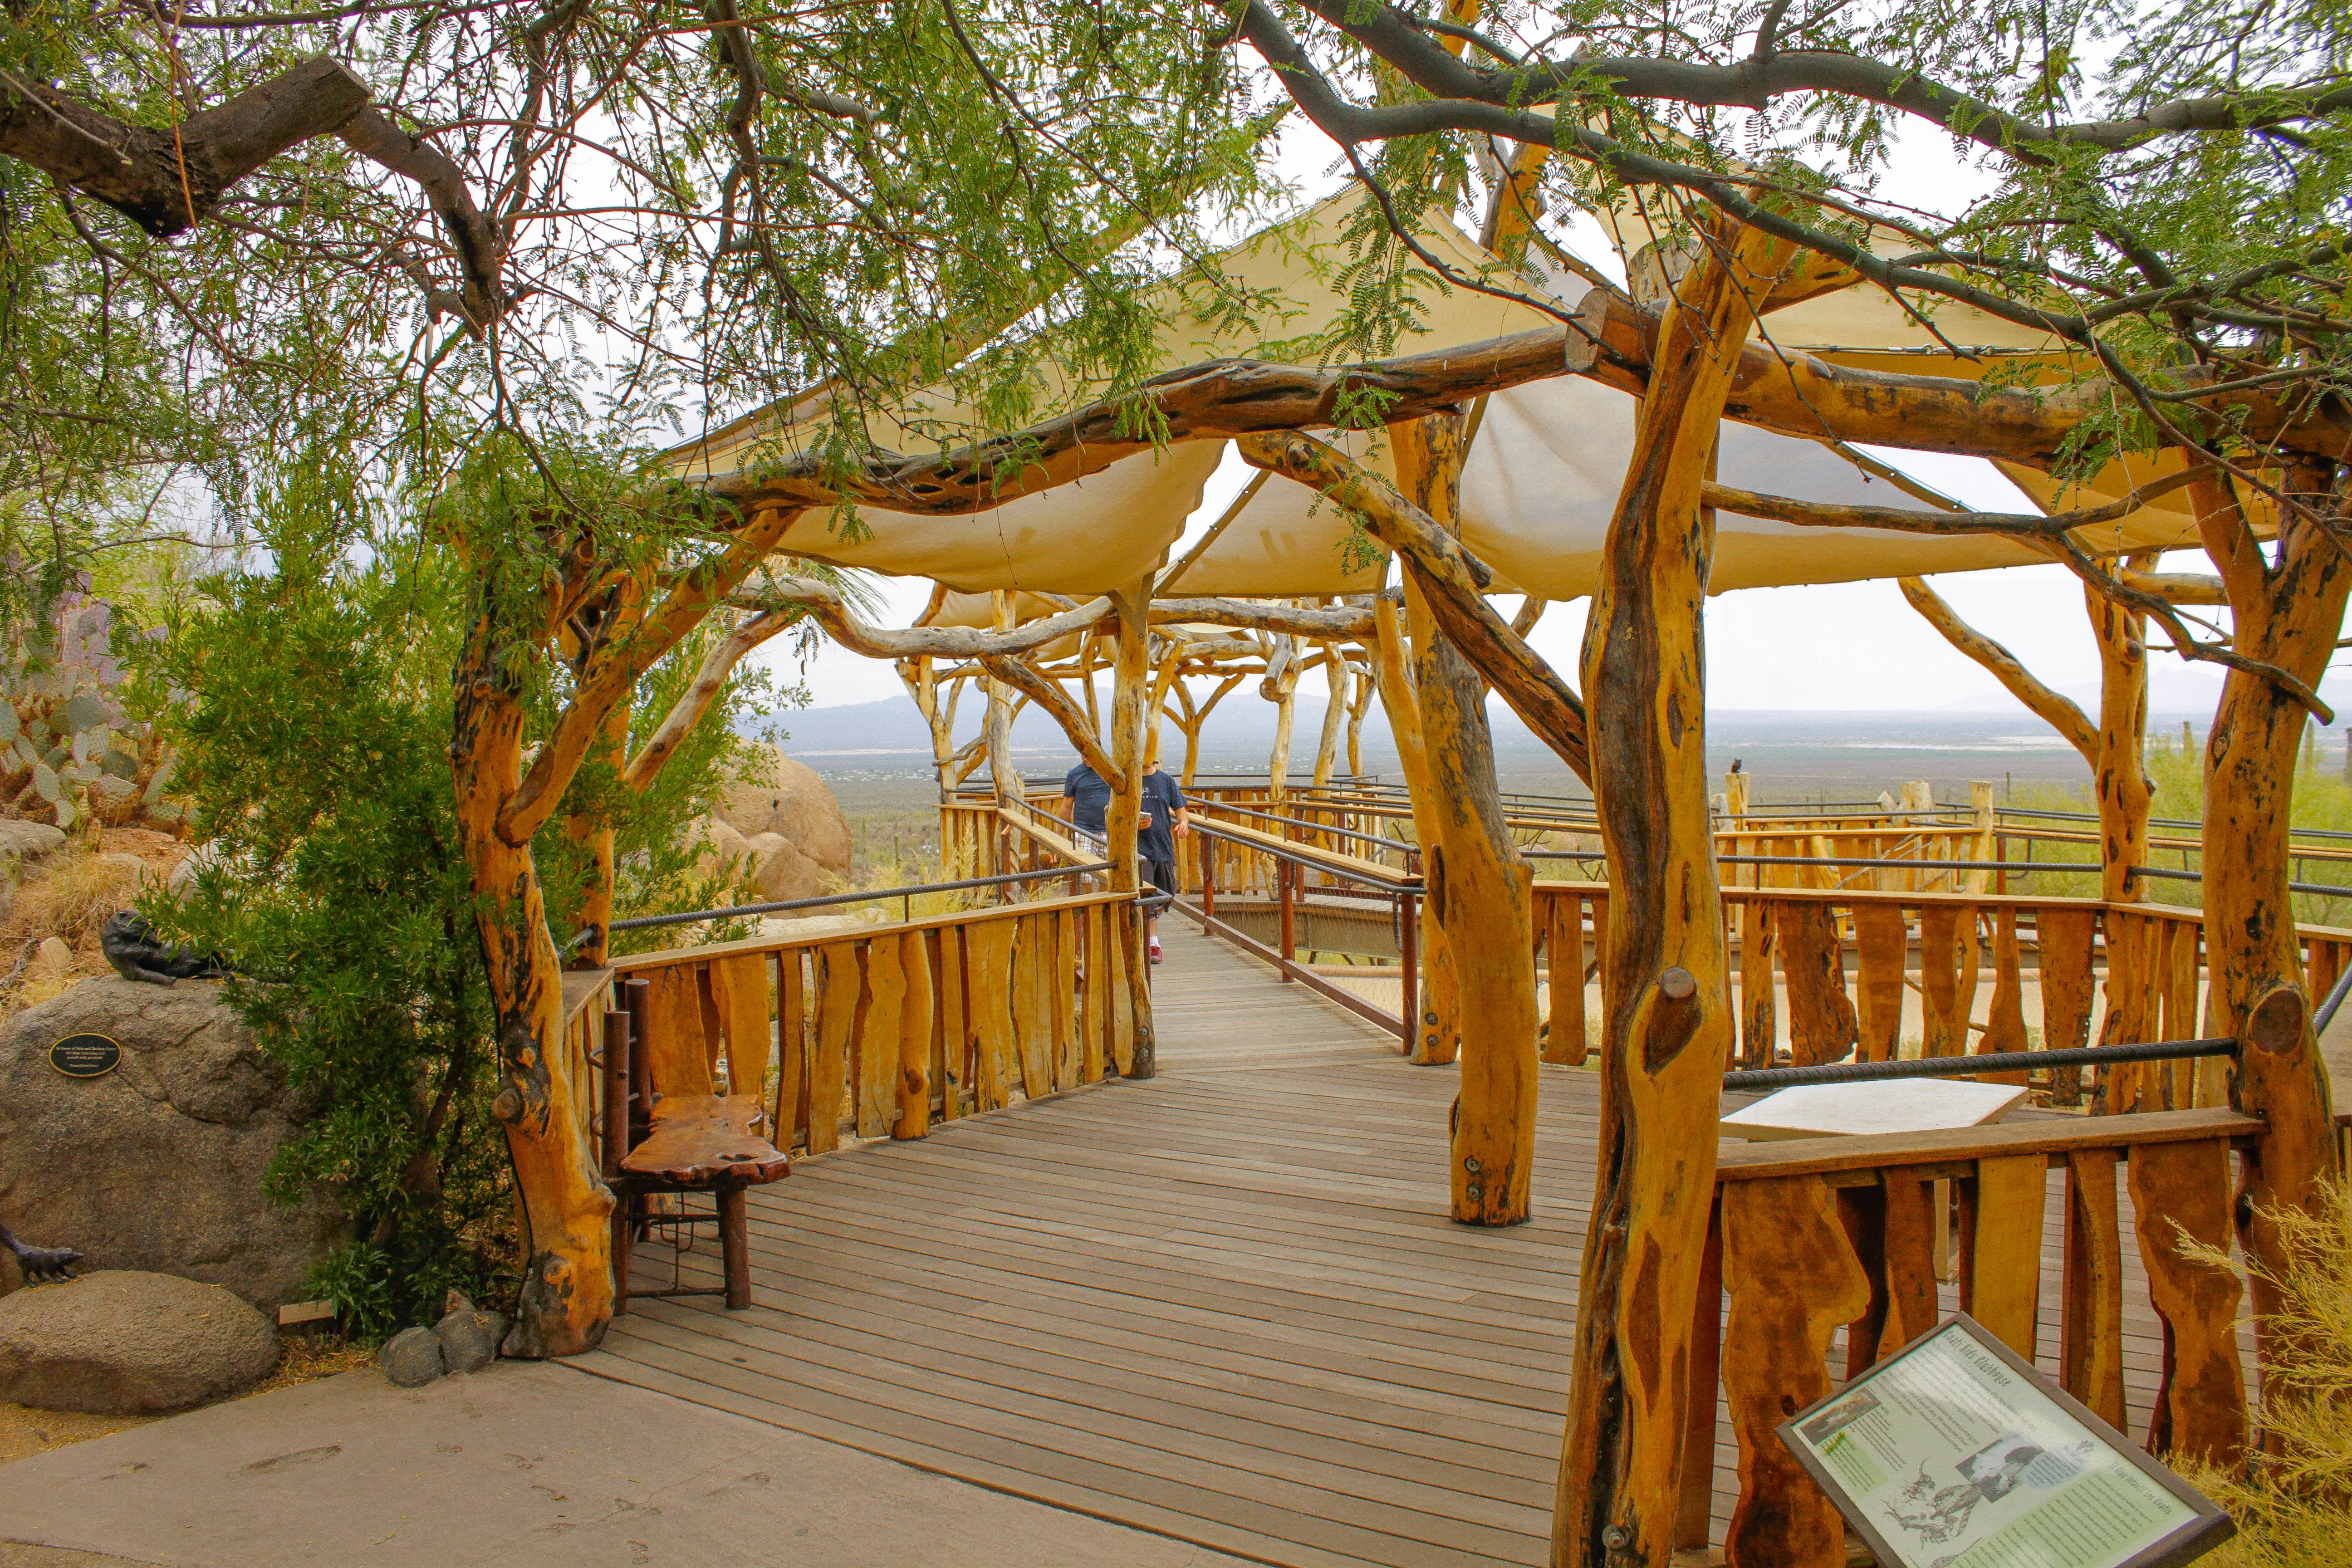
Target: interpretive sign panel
x: 1955, y: 1453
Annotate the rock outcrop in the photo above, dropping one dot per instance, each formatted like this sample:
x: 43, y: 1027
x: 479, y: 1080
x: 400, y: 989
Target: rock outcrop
x: 127, y: 1343
x: 158, y: 1164
x: 791, y: 831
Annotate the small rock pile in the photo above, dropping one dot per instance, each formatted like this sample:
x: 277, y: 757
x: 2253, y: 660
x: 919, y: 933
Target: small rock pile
x: 464, y: 1339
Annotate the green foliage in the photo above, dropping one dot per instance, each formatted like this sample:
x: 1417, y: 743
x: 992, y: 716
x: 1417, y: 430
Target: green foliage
x: 314, y: 720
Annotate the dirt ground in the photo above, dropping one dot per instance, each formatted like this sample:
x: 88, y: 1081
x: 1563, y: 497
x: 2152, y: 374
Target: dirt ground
x: 25, y: 1431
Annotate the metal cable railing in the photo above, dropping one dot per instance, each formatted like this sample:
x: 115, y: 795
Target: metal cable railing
x: 1971, y: 1067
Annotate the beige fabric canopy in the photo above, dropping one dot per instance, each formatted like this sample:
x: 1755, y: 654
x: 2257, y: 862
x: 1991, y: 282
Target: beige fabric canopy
x: 1538, y: 485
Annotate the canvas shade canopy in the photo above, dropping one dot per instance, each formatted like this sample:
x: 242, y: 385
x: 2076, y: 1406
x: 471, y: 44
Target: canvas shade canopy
x: 1540, y: 483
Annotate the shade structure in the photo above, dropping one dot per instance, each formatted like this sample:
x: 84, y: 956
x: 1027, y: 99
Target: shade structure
x: 1540, y: 483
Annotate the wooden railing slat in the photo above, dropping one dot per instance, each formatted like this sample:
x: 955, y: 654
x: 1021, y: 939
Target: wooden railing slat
x: 1792, y: 1280
x: 2091, y: 1349
x: 2000, y: 1238
x: 2180, y: 1193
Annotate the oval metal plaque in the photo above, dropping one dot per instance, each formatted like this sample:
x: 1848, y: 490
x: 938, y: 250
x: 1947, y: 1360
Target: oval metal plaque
x: 85, y: 1056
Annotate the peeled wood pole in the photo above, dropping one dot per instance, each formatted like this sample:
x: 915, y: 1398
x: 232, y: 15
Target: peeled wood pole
x: 2289, y: 614
x: 1433, y: 1024
x: 2124, y: 791
x: 1669, y: 1026
x: 1131, y: 679
x: 1280, y: 688
x: 1335, y: 712
x: 1002, y: 774
x: 1479, y: 887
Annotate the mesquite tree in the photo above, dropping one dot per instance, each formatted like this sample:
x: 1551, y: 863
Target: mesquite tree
x: 2160, y: 189
x: 507, y: 243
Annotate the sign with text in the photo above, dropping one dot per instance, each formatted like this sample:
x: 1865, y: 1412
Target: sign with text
x: 1955, y: 1453
x: 85, y: 1056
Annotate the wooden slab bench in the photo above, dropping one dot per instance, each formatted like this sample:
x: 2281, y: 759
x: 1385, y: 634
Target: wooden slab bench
x: 691, y: 1143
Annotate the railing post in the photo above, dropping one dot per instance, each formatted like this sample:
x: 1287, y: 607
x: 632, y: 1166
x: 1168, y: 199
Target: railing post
x: 1409, y: 958
x: 1285, y: 880
x: 1208, y: 878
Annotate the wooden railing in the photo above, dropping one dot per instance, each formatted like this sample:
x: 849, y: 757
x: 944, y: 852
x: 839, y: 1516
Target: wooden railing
x: 2054, y: 961
x: 1816, y: 1236
x: 885, y: 1029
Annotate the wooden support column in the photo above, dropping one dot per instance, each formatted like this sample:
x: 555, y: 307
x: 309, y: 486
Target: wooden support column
x: 1131, y: 679
x: 1001, y: 772
x: 1335, y: 712
x: 1669, y: 1026
x: 1434, y: 1031
x: 567, y: 1290
x: 1479, y: 887
x: 1280, y: 688
x: 2288, y: 613
x: 1366, y: 689
x: 2121, y: 772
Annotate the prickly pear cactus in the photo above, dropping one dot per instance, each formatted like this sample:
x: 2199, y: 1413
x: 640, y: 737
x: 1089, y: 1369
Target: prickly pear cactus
x: 67, y: 749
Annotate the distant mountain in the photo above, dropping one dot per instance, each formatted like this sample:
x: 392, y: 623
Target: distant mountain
x: 1795, y: 749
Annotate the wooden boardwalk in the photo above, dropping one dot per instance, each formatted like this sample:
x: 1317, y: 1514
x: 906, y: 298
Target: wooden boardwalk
x: 1224, y: 1305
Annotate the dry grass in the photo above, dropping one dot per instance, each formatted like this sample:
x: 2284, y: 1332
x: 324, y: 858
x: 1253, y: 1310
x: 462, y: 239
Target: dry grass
x: 70, y: 895
x: 2294, y: 1508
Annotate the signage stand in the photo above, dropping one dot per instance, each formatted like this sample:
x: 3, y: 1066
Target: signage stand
x: 1955, y: 1452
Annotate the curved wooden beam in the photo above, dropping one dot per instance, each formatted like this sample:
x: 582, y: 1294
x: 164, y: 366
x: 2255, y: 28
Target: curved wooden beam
x: 1049, y: 695
x: 709, y: 681
x: 2059, y: 712
x: 1451, y: 578
x: 1342, y: 621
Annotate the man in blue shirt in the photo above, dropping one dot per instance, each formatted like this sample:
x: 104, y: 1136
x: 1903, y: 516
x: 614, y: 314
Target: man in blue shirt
x: 1165, y: 820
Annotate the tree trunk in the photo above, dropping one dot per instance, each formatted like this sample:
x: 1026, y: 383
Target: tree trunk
x: 1435, y: 1038
x: 2288, y: 615
x: 1002, y: 775
x: 1131, y: 676
x: 1335, y: 713
x: 1479, y: 887
x: 567, y: 1290
x: 1669, y: 1027
x: 2124, y: 790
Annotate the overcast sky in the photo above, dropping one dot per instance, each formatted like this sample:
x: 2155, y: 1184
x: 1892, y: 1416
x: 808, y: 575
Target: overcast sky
x: 1849, y: 647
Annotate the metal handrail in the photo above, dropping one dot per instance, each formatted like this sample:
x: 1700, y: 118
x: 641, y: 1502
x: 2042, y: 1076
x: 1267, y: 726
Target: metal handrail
x: 1970, y: 1067
x: 1309, y: 826
x: 2324, y: 889
x: 1415, y: 887
x: 644, y: 921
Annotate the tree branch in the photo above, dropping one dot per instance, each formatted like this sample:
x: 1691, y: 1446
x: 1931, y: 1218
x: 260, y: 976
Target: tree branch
x: 2060, y: 714
x: 694, y: 702
x: 1047, y: 694
x: 1451, y: 579
x: 166, y: 184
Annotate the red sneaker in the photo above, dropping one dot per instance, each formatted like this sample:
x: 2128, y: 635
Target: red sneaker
x: 1155, y: 953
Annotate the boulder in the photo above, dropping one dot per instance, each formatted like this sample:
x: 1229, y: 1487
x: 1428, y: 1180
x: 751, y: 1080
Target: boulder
x: 412, y: 1358
x: 781, y: 871
x: 469, y: 1338
x: 27, y: 840
x: 719, y: 843
x: 50, y: 960
x: 777, y: 794
x: 158, y: 1164
x: 119, y: 1343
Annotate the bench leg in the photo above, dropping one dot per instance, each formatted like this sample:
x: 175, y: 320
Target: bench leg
x: 623, y: 1233
x: 735, y: 1247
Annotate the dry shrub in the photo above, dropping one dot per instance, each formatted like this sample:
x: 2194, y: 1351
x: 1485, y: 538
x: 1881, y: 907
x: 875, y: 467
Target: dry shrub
x: 72, y: 897
x: 2294, y: 1508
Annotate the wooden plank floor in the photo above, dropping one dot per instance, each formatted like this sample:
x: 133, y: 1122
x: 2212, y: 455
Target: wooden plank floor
x: 1224, y: 1305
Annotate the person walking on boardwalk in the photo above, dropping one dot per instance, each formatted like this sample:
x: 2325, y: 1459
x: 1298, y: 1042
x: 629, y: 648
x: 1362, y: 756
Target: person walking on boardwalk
x: 1164, y: 820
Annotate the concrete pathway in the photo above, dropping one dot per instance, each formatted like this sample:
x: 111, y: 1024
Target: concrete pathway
x: 521, y: 1464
